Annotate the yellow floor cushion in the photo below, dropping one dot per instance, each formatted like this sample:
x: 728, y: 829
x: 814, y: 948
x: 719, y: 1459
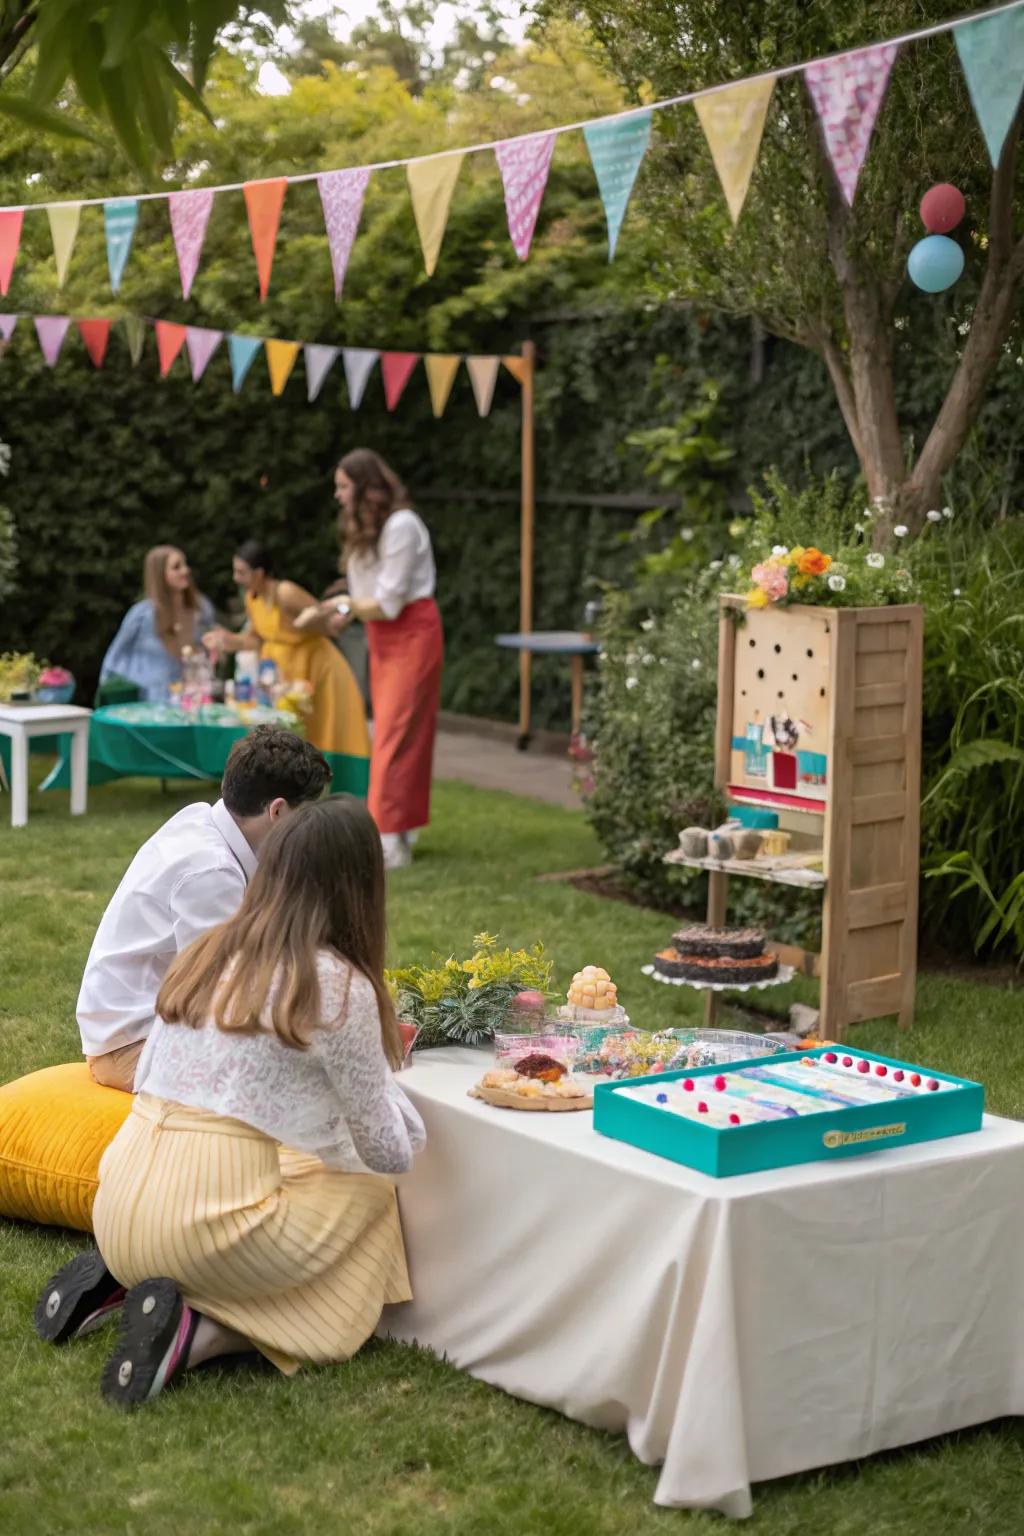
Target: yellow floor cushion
x: 55, y: 1126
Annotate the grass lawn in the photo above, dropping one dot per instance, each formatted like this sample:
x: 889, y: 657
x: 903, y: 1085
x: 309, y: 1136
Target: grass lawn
x: 396, y: 1442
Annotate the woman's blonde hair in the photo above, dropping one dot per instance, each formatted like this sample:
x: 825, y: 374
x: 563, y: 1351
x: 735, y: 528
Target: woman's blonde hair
x: 319, y: 885
x: 160, y: 595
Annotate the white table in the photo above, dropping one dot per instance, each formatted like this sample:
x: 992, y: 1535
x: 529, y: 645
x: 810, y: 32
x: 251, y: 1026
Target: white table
x: 735, y: 1329
x: 21, y: 722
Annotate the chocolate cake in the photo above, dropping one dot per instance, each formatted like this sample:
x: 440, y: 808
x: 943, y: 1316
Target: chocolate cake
x: 719, y: 943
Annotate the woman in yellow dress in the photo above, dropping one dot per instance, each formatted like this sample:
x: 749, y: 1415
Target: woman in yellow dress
x: 337, y: 720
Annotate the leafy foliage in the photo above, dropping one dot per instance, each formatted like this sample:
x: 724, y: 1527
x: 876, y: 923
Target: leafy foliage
x: 462, y: 1002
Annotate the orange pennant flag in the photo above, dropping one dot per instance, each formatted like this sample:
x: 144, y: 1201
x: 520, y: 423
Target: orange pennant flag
x: 516, y: 367
x: 170, y: 338
x: 441, y: 370
x: 263, y: 199
x: 95, y: 334
x: 281, y: 357
x: 10, y: 238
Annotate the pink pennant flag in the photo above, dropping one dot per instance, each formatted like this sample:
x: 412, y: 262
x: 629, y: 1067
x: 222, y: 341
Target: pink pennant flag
x: 95, y: 334
x: 396, y: 370
x: 847, y: 93
x: 202, y: 343
x: 51, y: 330
x: 11, y: 220
x: 7, y: 324
x: 342, y: 193
x: 190, y: 214
x: 524, y: 166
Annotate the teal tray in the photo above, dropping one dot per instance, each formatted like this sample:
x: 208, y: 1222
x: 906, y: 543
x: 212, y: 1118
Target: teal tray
x: 830, y: 1133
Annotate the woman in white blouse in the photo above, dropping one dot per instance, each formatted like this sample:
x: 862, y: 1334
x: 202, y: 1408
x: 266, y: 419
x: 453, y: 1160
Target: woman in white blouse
x: 389, y: 562
x: 244, y: 1204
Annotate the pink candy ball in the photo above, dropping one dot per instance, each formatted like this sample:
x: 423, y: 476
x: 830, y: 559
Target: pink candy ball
x: 863, y: 1066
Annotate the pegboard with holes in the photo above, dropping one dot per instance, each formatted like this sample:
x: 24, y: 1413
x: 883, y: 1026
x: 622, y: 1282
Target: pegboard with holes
x: 780, y: 713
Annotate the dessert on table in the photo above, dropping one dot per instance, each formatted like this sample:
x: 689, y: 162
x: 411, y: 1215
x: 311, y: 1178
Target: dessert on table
x: 537, y: 1081
x: 717, y: 956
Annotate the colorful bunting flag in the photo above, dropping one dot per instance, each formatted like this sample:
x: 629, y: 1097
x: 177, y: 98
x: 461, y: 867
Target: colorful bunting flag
x: 524, y: 166
x: 95, y: 334
x: 516, y: 367
x: 120, y: 217
x: 7, y: 324
x: 135, y: 335
x: 441, y: 370
x: 733, y: 122
x: 51, y: 330
x: 847, y: 93
x: 281, y: 357
x: 341, y: 196
x: 263, y: 199
x: 431, y: 184
x: 242, y: 350
x: 202, y: 343
x: 396, y: 371
x: 359, y: 363
x: 64, y: 219
x: 616, y: 150
x: 991, y: 50
x: 483, y: 375
x: 190, y: 214
x: 319, y: 362
x: 170, y: 338
x: 10, y: 239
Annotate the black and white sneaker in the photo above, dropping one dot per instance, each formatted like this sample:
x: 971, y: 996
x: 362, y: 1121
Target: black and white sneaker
x: 77, y: 1300
x: 157, y: 1330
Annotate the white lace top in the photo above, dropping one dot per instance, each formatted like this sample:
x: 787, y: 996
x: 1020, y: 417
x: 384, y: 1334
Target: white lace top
x: 338, y: 1099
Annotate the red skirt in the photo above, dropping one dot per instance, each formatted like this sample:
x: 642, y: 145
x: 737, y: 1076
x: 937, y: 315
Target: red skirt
x: 406, y: 658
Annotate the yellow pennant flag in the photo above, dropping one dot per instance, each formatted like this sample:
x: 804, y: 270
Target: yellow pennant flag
x: 431, y: 184
x: 281, y: 357
x: 441, y: 370
x: 516, y: 367
x: 64, y: 219
x: 733, y: 121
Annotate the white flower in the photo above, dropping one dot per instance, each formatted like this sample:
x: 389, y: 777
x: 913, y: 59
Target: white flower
x: 933, y: 516
x: 868, y: 512
x: 648, y: 660
x: 901, y: 530
x: 734, y: 562
x: 5, y: 458
x: 879, y: 501
x: 696, y: 663
x: 858, y: 527
x: 686, y: 534
x: 716, y: 565
x: 632, y: 658
x: 956, y: 591
x: 947, y: 513
x: 875, y: 561
x: 632, y: 682
x: 837, y: 583
x: 648, y: 625
x: 779, y: 549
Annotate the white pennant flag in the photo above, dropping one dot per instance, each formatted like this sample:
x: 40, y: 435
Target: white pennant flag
x: 319, y: 362
x: 359, y: 364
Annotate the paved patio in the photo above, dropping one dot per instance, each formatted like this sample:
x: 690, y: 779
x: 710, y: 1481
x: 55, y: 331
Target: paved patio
x: 492, y: 761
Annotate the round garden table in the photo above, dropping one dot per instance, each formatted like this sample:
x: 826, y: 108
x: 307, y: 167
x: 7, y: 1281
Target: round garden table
x: 159, y: 741
x: 553, y: 642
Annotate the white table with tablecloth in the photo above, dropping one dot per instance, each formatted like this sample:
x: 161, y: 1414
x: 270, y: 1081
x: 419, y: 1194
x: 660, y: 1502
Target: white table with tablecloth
x: 735, y: 1329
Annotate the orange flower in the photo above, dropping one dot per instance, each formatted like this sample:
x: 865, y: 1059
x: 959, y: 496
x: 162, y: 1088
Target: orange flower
x: 813, y: 563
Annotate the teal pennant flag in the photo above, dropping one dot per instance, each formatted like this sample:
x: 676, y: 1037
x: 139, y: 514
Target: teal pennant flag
x: 242, y: 351
x: 120, y: 217
x: 616, y: 150
x: 991, y: 50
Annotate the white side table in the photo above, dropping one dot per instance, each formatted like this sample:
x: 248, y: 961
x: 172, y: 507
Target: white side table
x: 20, y: 722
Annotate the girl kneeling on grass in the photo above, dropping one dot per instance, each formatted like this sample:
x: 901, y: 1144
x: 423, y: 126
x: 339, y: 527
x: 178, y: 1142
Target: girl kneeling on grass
x: 242, y: 1204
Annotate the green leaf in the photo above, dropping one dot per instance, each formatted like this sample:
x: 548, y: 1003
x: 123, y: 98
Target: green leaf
x: 156, y: 100
x: 184, y: 86
x: 127, y: 20
x: 86, y: 56
x: 116, y: 85
x: 53, y: 63
x: 32, y: 115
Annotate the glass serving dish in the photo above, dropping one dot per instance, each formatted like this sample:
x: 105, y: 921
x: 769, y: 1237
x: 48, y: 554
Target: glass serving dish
x: 511, y: 1045
x: 712, y: 1047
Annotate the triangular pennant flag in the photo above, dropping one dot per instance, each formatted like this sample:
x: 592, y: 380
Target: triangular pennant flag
x: 242, y: 351
x: 170, y: 338
x: 135, y: 334
x: 319, y: 362
x: 991, y: 50
x: 516, y: 367
x: 441, y: 370
x: 483, y: 375
x: 263, y: 199
x: 396, y: 371
x: 64, y: 219
x: 281, y: 357
x: 120, y: 217
x: 10, y: 238
x: 431, y: 184
x: 359, y: 363
x: 341, y: 195
x: 202, y: 343
x: 524, y: 166
x: 847, y: 92
x: 7, y: 324
x: 51, y: 330
x: 190, y: 214
x: 733, y: 122
x: 616, y: 150
x: 95, y: 334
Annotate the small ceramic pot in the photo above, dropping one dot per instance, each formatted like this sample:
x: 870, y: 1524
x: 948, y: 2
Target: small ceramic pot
x: 722, y: 846
x: 775, y: 844
x: 694, y: 842
x: 748, y: 843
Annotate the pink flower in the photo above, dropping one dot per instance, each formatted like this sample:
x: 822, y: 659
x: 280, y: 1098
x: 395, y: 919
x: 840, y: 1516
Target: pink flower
x: 772, y: 580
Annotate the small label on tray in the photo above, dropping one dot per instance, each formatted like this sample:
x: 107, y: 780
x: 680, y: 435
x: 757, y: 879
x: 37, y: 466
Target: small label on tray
x: 834, y: 1139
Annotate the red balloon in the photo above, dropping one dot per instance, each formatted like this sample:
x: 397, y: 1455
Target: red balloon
x: 942, y: 208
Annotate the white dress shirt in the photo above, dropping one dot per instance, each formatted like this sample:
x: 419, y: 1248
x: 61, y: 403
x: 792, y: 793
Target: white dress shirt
x: 400, y: 571
x: 189, y: 876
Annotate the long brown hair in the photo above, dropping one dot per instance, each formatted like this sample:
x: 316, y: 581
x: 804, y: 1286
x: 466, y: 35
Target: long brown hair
x: 319, y: 885
x: 379, y: 492
x: 160, y: 595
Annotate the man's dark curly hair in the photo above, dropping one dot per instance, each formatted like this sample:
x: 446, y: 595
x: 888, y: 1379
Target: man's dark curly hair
x: 272, y: 764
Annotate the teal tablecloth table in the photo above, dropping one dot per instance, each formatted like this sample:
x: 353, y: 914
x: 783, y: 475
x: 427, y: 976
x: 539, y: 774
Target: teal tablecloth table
x: 158, y: 741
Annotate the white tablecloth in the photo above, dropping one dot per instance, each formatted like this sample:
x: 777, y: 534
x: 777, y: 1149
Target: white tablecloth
x: 736, y: 1329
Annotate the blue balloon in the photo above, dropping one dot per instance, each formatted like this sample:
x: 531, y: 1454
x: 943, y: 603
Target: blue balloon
x: 935, y: 263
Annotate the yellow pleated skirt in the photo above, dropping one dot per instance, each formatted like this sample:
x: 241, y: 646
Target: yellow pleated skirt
x: 297, y: 1257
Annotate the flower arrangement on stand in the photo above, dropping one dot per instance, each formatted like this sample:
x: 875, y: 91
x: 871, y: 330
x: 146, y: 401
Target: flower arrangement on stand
x: 19, y: 675
x: 462, y: 1002
x: 849, y: 579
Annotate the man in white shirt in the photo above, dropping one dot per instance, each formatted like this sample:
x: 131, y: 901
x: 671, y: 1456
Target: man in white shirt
x: 190, y: 876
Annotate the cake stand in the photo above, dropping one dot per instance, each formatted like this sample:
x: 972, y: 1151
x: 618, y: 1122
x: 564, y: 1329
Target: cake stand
x: 784, y: 974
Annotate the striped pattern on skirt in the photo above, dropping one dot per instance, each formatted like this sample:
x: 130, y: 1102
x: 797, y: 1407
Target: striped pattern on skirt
x: 297, y: 1257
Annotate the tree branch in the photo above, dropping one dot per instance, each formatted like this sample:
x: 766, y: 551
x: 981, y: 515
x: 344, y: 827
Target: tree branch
x: 843, y: 387
x: 16, y: 35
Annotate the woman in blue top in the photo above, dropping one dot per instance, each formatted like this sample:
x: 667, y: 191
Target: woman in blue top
x: 173, y: 615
